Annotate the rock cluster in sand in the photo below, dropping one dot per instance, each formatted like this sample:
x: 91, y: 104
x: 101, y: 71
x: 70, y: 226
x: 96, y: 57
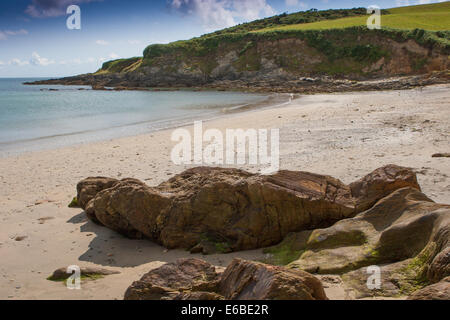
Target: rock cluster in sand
x: 203, y: 209
x: 194, y: 279
x: 319, y: 224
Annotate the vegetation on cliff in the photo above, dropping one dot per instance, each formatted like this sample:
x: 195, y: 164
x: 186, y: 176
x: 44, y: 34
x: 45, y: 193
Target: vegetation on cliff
x: 302, y: 17
x: 120, y: 65
x: 339, y: 39
x: 341, y: 52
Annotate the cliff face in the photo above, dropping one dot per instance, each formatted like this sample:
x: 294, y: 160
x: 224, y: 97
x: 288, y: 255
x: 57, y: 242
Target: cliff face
x: 277, y: 58
x: 354, y: 53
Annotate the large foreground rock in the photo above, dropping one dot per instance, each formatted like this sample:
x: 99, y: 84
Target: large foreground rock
x: 179, y: 280
x: 438, y: 291
x: 440, y: 266
x: 406, y: 234
x: 248, y: 280
x: 193, y: 279
x: 88, y: 189
x: 227, y: 209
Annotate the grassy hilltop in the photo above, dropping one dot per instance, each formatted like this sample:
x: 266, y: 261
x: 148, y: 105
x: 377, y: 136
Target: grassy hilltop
x: 431, y: 17
x: 340, y: 38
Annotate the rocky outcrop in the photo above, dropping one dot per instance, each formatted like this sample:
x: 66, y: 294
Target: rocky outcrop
x: 185, y: 279
x: 438, y: 291
x: 440, y: 266
x: 380, y: 183
x: 301, y: 85
x: 193, y: 279
x: 406, y: 234
x: 292, y: 61
x: 248, y: 280
x: 228, y: 209
x: 324, y: 226
x: 88, y: 189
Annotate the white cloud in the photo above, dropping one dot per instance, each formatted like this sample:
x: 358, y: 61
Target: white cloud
x: 102, y: 42
x: 401, y: 3
x: 37, y: 60
x: 291, y: 3
x: 51, y: 8
x: 134, y: 41
x: 16, y: 32
x: 252, y: 9
x: 77, y: 61
x: 296, y: 4
x: 430, y: 1
x: 18, y: 62
x: 5, y: 33
x: 114, y: 56
x: 2, y: 63
x: 223, y: 13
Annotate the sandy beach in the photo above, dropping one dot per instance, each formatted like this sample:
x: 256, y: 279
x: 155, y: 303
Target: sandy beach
x: 342, y: 135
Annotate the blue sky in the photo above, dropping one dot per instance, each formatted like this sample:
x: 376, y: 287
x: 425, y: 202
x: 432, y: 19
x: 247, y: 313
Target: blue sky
x: 35, y: 42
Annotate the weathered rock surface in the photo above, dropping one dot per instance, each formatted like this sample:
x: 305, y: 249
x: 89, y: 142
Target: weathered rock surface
x: 440, y: 266
x: 438, y: 291
x: 380, y: 183
x: 248, y: 280
x: 328, y: 227
x: 88, y: 189
x: 300, y: 85
x: 193, y: 279
x: 406, y: 234
x: 398, y: 279
x: 186, y: 279
x: 233, y: 209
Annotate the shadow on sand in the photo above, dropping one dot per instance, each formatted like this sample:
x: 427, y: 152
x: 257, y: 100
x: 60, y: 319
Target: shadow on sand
x: 108, y: 248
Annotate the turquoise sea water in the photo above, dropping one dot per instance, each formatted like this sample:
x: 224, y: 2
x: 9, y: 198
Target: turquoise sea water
x: 34, y: 118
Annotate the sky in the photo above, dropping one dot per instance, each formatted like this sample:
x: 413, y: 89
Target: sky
x: 36, y: 42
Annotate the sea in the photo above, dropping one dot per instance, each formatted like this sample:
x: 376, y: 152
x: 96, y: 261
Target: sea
x: 43, y: 117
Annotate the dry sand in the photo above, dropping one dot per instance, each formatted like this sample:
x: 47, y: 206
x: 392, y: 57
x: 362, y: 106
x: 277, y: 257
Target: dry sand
x: 343, y: 135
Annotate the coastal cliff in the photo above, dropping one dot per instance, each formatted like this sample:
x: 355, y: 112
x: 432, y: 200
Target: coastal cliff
x: 276, y: 55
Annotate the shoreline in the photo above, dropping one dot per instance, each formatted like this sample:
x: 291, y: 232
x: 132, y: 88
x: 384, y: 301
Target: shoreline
x: 19, y: 147
x: 344, y: 135
x: 339, y: 87
x: 305, y: 85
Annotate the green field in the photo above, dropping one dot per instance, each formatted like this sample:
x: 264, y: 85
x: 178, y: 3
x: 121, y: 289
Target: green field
x: 433, y: 17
